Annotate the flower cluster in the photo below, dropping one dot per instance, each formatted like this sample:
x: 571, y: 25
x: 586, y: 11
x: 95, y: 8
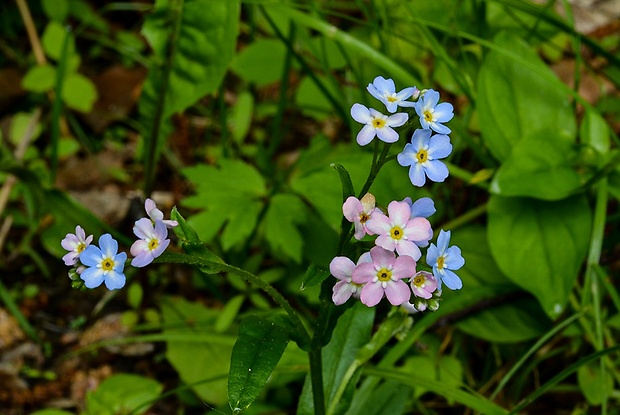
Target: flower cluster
x: 422, y: 155
x: 93, y: 265
x: 390, y: 268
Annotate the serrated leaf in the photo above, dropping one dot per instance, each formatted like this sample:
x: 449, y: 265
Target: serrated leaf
x: 258, y: 349
x: 540, y: 245
x: 79, y: 92
x: 40, y: 78
x: 285, y: 211
x: 539, y: 166
x: 507, y: 109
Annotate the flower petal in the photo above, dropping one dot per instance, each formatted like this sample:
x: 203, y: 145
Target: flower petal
x: 397, y: 120
x: 454, y: 260
x: 341, y: 292
x: 364, y: 273
x: 382, y: 258
x: 404, y: 267
x: 444, y: 112
x: 397, y: 292
x: 351, y: 208
x: 108, y: 245
x: 430, y: 98
x: 408, y: 248
x: 92, y: 277
x: 407, y: 156
x: 386, y: 134
x: 417, y: 175
x: 371, y: 294
x: 436, y: 171
x: 366, y: 134
x: 399, y: 212
x: 452, y: 280
x: 360, y: 113
x: 440, y: 146
x: 91, y: 256
x: 341, y: 267
x: 423, y: 208
x: 115, y: 280
x: 379, y: 223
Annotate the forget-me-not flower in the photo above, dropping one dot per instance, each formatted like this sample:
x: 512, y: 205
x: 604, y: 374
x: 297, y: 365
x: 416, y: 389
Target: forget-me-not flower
x: 432, y: 115
x: 377, y: 124
x: 358, y: 212
x: 75, y: 244
x: 383, y: 276
x: 398, y: 231
x: 153, y: 241
x: 422, y: 155
x: 342, y: 268
x: 385, y: 91
x: 104, y: 264
x: 444, y: 260
x: 156, y: 214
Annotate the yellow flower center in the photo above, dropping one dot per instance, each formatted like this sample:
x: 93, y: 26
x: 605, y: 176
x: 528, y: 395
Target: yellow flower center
x: 418, y: 281
x: 81, y: 246
x: 107, y: 264
x: 384, y: 275
x: 153, y: 244
x: 391, y: 99
x: 428, y: 116
x: 440, y: 262
x: 378, y: 122
x: 364, y: 217
x: 396, y: 232
x: 422, y: 156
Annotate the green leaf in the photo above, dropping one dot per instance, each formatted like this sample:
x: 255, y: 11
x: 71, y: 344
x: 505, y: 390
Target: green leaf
x: 445, y: 369
x: 261, y: 62
x: 56, y: 9
x: 539, y: 166
x: 203, y: 42
x: 79, y: 92
x: 594, y: 132
x: 40, y: 78
x: 345, y: 181
x: 507, y: 108
x: 352, y: 332
x: 51, y: 412
x: 284, y: 212
x: 241, y: 117
x: 205, y: 361
x: 229, y: 312
x: 539, y: 245
x: 20, y: 124
x: 258, y: 349
x: 313, y: 276
x: 189, y: 239
x: 53, y: 40
x: 122, y: 393
x: 514, y: 322
x: 593, y: 384
x: 388, y: 398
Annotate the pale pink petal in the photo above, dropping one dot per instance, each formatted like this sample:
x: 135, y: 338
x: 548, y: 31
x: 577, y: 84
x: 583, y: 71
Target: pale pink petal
x: 399, y: 212
x: 364, y: 273
x: 418, y: 229
x: 342, y: 292
x: 408, y: 248
x: 397, y: 292
x: 379, y: 223
x: 386, y: 242
x: 404, y: 267
x: 382, y: 258
x: 341, y: 267
x: 372, y: 294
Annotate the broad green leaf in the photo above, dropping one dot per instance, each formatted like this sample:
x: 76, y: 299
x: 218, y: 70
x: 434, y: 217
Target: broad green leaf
x: 258, y: 349
x: 594, y: 132
x: 516, y: 102
x: 389, y: 397
x: 202, y: 34
x: 242, y: 218
x: 285, y: 211
x: 228, y: 313
x: 20, y: 124
x: 233, y: 177
x: 56, y: 9
x: 540, y: 245
x: 40, y: 78
x: 261, y: 62
x: 351, y: 333
x: 205, y: 361
x: 78, y: 92
x: 507, y: 323
x: 593, y: 384
x: 122, y: 393
x: 312, y: 100
x: 480, y: 267
x: 539, y: 166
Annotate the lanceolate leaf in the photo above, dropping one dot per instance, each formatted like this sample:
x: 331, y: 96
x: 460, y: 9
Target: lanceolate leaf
x: 540, y: 245
x: 258, y: 349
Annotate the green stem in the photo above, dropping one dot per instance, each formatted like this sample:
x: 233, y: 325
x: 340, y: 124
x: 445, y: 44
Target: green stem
x: 374, y: 170
x: 302, y: 332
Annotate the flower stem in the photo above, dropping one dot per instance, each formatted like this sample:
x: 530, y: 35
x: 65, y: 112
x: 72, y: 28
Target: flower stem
x: 374, y: 170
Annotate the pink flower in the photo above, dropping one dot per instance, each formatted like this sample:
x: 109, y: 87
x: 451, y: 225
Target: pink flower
x: 399, y: 231
x: 423, y: 284
x: 152, y: 241
x: 342, y: 267
x: 156, y: 214
x: 75, y: 244
x: 358, y: 212
x: 383, y: 276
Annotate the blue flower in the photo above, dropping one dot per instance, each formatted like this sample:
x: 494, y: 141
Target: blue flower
x: 444, y: 260
x: 377, y: 124
x: 432, y: 115
x: 385, y: 91
x: 104, y: 265
x: 422, y: 155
